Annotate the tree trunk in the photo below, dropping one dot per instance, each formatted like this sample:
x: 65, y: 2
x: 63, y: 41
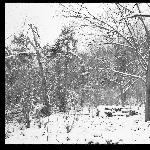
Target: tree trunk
x: 26, y: 111
x: 82, y: 97
x: 64, y: 99
x: 123, y: 96
x: 27, y: 119
x: 147, y: 104
x: 43, y: 87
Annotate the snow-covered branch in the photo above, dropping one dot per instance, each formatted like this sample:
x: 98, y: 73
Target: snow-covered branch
x: 135, y: 15
x: 125, y: 74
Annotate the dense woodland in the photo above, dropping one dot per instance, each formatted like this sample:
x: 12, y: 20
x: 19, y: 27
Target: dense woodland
x: 113, y: 69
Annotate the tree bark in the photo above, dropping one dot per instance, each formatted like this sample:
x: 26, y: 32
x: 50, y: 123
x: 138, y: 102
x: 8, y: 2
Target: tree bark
x: 147, y: 104
x: 123, y: 96
x: 64, y: 100
x: 82, y: 85
x: 43, y: 87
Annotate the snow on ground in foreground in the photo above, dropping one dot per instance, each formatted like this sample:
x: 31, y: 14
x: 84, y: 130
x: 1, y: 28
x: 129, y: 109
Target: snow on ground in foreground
x: 86, y: 128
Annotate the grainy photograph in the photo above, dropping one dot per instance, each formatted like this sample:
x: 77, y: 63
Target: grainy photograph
x: 77, y: 73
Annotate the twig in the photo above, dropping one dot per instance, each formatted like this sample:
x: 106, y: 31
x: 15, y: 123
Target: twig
x: 56, y: 135
x: 47, y: 130
x: 125, y: 8
x: 123, y: 73
x: 72, y: 123
x: 136, y: 15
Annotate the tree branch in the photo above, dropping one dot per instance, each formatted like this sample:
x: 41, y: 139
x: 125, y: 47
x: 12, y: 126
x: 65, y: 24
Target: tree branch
x: 135, y: 44
x: 125, y: 8
x: 135, y: 15
x: 113, y: 30
x: 125, y: 74
x: 119, y: 44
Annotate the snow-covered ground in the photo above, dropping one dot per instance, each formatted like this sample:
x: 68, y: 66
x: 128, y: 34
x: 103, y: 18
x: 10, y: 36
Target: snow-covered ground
x: 84, y: 128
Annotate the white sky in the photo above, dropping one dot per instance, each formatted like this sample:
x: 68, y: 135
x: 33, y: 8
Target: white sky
x: 41, y: 14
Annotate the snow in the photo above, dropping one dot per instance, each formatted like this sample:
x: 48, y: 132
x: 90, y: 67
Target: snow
x: 86, y: 128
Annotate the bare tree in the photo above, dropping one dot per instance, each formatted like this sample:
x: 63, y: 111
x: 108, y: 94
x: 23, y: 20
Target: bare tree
x: 130, y: 41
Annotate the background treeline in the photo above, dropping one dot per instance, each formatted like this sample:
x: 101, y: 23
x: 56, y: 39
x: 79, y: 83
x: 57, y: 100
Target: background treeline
x: 113, y: 69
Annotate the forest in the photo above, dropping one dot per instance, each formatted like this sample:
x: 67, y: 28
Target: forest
x: 60, y: 94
